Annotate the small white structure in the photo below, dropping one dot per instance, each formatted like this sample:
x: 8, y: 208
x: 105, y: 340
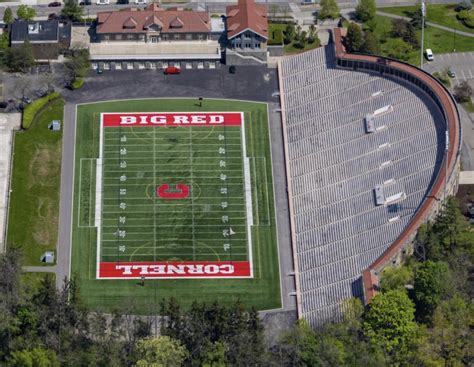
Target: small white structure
x: 55, y: 125
x: 48, y: 257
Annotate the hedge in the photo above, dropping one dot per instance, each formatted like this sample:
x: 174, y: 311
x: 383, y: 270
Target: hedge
x: 31, y: 110
x: 76, y: 84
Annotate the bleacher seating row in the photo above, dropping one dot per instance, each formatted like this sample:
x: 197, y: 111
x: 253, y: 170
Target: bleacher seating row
x: 335, y: 164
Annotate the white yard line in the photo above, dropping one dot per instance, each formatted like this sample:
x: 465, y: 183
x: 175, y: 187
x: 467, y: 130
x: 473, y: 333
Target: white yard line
x: 192, y: 188
x: 98, y: 196
x: 248, y: 194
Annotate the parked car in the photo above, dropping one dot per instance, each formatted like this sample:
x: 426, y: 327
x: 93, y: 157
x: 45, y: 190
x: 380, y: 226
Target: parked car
x: 84, y: 3
x: 26, y: 100
x: 55, y: 4
x: 232, y: 69
x: 53, y: 16
x: 451, y: 73
x: 172, y: 70
x: 429, y: 54
x: 103, y: 2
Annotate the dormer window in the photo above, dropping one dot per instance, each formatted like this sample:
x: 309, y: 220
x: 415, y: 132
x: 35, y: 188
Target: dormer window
x: 176, y: 23
x: 130, y: 23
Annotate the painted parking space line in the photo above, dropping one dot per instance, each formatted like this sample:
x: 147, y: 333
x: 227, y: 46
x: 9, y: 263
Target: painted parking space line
x: 463, y: 76
x: 470, y: 74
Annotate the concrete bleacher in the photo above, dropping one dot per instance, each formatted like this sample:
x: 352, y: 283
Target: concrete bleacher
x: 335, y: 164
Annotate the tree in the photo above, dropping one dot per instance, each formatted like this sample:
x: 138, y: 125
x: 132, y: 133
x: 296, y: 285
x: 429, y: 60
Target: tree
x: 36, y: 357
x: 328, y: 10
x: 20, y: 58
x: 416, y: 19
x: 8, y: 16
x: 354, y: 38
x: 371, y: 44
x: 72, y: 10
x: 431, y: 282
x: 215, y: 355
x: 395, y: 278
x: 78, y: 63
x: 24, y: 12
x: 399, y: 49
x: 160, y: 351
x: 289, y: 33
x: 365, y: 10
x: 463, y: 91
x: 389, y: 324
x: 464, y: 5
x: 312, y: 36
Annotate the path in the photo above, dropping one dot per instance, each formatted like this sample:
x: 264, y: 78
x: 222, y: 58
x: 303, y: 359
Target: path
x: 434, y: 25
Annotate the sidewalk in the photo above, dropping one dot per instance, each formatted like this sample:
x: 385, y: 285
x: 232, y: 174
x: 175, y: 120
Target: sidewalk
x: 434, y: 25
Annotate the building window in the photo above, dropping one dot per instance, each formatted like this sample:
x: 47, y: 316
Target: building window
x: 200, y: 65
x: 177, y: 36
x: 165, y: 37
x: 141, y: 37
x: 189, y: 36
x: 200, y: 37
x: 106, y: 37
x: 130, y: 37
x: 118, y: 37
x: 189, y: 65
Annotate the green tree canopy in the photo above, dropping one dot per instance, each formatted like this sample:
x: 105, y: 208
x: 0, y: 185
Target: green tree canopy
x: 36, y: 357
x: 161, y: 351
x: 353, y: 38
x: 389, y: 323
x: 395, y: 277
x: 8, y: 16
x: 20, y: 58
x: 431, y: 283
x: 24, y: 12
x: 365, y: 10
x: 399, y: 49
x: 328, y: 10
x: 371, y: 44
x: 72, y: 10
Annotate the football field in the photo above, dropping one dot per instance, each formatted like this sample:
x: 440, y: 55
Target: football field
x: 173, y: 196
x: 167, y: 191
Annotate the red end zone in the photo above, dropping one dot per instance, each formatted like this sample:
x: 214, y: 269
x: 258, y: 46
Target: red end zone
x: 195, y: 269
x: 172, y: 119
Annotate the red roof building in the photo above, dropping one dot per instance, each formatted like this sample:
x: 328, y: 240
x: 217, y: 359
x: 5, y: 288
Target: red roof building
x: 247, y: 25
x: 154, y: 24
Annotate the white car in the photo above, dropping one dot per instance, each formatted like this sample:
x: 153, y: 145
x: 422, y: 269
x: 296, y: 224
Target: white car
x: 429, y: 54
x: 103, y: 2
x: 140, y: 2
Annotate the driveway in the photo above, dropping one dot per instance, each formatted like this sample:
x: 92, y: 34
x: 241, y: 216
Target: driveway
x: 254, y: 83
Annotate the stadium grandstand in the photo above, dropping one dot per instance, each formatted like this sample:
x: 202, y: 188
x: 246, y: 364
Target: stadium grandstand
x: 371, y: 151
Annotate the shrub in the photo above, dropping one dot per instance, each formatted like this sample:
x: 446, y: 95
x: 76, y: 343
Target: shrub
x: 463, y: 92
x: 463, y: 15
x: 443, y: 78
x: 76, y: 84
x: 464, y: 5
x: 31, y: 110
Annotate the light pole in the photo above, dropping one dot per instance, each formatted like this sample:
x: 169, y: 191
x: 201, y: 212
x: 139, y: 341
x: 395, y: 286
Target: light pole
x: 423, y: 14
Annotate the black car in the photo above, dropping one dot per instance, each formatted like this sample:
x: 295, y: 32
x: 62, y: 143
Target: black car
x: 55, y: 4
x: 232, y: 69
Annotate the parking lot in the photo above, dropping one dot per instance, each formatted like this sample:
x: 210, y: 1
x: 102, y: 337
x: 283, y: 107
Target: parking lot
x: 462, y: 63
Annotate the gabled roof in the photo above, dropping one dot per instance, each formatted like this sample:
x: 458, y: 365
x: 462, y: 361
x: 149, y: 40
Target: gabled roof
x: 170, y: 21
x: 247, y: 15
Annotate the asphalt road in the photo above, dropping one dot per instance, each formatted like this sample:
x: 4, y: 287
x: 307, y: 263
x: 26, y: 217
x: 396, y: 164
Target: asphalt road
x: 249, y: 83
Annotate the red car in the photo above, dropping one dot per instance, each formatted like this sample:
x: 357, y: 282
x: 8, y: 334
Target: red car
x: 172, y: 70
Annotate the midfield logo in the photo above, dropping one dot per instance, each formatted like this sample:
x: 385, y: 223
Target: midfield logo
x: 182, y: 269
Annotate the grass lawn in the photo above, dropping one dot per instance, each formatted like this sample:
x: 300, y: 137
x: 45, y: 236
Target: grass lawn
x: 469, y: 106
x: 288, y: 49
x: 263, y: 291
x: 34, y: 204
x: 30, y: 282
x: 438, y: 40
x: 442, y: 14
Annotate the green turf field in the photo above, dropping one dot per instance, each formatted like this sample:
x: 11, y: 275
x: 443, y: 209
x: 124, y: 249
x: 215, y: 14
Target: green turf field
x: 210, y: 224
